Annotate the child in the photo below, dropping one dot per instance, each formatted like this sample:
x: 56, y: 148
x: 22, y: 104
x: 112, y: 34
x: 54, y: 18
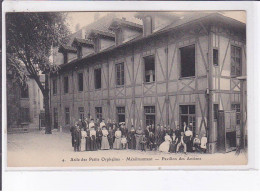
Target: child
x: 196, y: 143
x: 123, y: 142
x: 143, y: 142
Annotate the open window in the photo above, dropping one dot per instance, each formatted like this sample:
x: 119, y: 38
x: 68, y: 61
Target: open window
x: 187, y: 115
x: 80, y: 82
x: 187, y: 55
x: 149, y: 113
x: 120, y: 114
x: 120, y: 74
x: 149, y: 69
x: 97, y: 75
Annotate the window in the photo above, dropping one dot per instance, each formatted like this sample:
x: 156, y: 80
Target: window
x: 187, y: 55
x: 147, y: 25
x: 120, y: 114
x: 54, y: 87
x: 236, y: 107
x: 67, y: 116
x: 98, y: 113
x: 80, y: 82
x: 120, y: 74
x: 24, y: 91
x: 149, y: 112
x: 216, y: 111
x: 187, y: 115
x: 55, y: 118
x: 81, y: 113
x: 25, y: 115
x: 235, y: 61
x: 97, y: 75
x: 149, y: 69
x: 215, y: 57
x: 66, y: 84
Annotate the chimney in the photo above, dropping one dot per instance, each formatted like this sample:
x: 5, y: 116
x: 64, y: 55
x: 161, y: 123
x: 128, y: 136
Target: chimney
x: 96, y: 16
x: 77, y: 27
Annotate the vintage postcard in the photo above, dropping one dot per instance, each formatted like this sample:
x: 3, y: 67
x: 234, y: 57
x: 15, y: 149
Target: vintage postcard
x: 125, y: 89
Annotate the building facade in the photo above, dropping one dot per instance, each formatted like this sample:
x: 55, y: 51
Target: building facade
x: 25, y: 103
x: 169, y: 70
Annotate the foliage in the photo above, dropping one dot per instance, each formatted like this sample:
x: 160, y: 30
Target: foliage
x: 30, y: 37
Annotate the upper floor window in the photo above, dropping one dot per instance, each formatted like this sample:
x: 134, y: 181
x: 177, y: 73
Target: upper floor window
x: 187, y: 55
x: 24, y: 91
x: 235, y: 61
x: 215, y: 57
x: 120, y: 74
x: 97, y: 75
x: 80, y: 82
x: 149, y: 69
x: 54, y: 86
x: 66, y: 84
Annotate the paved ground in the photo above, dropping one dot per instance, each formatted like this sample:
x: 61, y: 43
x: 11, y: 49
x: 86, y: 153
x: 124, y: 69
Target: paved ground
x: 37, y: 149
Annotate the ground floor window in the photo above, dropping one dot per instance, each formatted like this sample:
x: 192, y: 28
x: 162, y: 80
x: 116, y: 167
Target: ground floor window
x: 120, y: 114
x: 149, y: 113
x: 187, y: 115
x: 81, y: 113
x: 216, y: 108
x: 236, y: 107
x: 67, y: 116
x: 55, y: 118
x: 98, y: 113
x: 25, y: 115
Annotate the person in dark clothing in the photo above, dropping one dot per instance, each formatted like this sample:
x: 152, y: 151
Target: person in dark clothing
x: 111, y: 135
x: 99, y: 138
x: 156, y: 134
x: 88, y: 141
x: 77, y: 139
x: 72, y: 129
x: 131, y: 139
x: 143, y: 142
x: 151, y: 140
x: 123, y: 129
x: 152, y: 128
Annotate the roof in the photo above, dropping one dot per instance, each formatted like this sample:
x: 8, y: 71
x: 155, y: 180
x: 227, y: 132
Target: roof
x: 65, y: 48
x: 116, y: 22
x: 183, y: 20
x: 81, y: 41
x: 107, y: 34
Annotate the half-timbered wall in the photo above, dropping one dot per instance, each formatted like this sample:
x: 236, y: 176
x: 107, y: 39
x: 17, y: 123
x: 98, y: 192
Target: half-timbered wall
x: 169, y: 90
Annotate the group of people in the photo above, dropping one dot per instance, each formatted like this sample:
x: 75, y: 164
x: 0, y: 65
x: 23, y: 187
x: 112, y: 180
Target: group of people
x: 112, y: 135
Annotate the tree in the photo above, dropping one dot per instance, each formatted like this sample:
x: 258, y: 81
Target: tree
x: 29, y: 41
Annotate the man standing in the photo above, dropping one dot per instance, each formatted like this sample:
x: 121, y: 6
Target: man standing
x: 180, y: 142
x: 77, y: 139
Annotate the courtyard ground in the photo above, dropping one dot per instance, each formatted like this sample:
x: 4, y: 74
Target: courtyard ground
x: 36, y: 149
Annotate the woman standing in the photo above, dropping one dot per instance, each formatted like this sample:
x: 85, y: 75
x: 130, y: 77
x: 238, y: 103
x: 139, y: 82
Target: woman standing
x: 188, y: 139
x: 131, y: 139
x: 117, y: 143
x: 164, y: 147
x: 104, y: 141
x: 138, y: 138
x: 88, y: 141
x: 93, y: 145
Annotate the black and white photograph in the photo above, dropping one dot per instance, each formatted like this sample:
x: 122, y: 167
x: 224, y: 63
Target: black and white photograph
x: 126, y: 88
